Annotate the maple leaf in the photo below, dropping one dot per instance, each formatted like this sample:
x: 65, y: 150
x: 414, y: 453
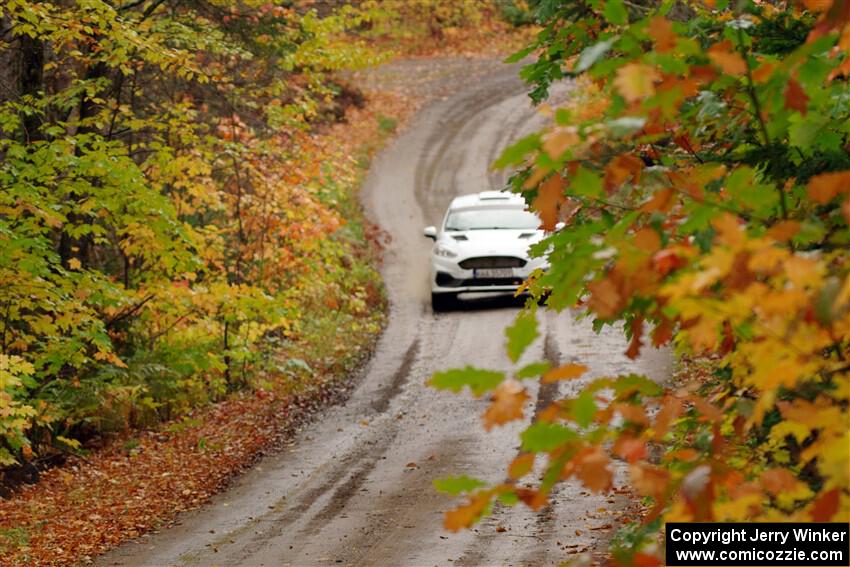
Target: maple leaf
x: 591, y: 467
x: 635, y: 344
x: 641, y: 559
x: 559, y: 140
x: 777, y: 481
x: 565, y: 372
x: 649, y: 480
x: 534, y: 499
x: 824, y: 508
x: 636, y: 81
x: 548, y: 201
x: 795, y: 97
x: 631, y: 449
x: 605, y: 299
x: 621, y: 168
x: 661, y: 201
x: 824, y: 187
x: 466, y: 515
x: 647, y: 239
x: 724, y: 56
x: 661, y: 31
x: 508, y: 400
x: 784, y: 231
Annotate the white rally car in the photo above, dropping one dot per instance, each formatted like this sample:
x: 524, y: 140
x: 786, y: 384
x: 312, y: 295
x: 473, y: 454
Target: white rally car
x: 482, y: 246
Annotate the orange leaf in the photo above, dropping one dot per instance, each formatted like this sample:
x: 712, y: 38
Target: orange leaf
x: 548, y: 201
x: 660, y: 201
x: 621, y: 168
x: 631, y: 449
x: 777, y: 481
x: 729, y: 230
x: 558, y: 140
x: 633, y: 413
x: 764, y: 72
x: 635, y: 344
x: 661, y: 31
x: 636, y: 81
x: 795, y: 97
x: 784, y: 230
x: 817, y: 5
x: 521, y: 466
x: 605, y: 299
x: 508, y: 400
x: 534, y: 499
x: 467, y: 515
x: 647, y: 239
x: 826, y: 506
x: 649, y: 480
x: 824, y: 187
x: 645, y: 560
x: 565, y: 372
x: 708, y: 410
x: 591, y: 467
x: 663, y: 332
x: 724, y: 56
x: 671, y: 408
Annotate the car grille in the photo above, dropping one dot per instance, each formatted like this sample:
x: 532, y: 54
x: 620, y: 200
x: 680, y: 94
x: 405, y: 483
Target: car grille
x: 446, y: 280
x: 492, y: 262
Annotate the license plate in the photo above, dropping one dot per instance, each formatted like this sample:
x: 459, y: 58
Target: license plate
x: 487, y: 273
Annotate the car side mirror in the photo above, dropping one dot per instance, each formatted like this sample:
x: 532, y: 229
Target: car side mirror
x: 430, y: 232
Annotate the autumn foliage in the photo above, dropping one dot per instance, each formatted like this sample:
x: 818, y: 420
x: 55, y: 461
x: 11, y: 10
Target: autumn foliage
x: 702, y: 170
x: 168, y: 213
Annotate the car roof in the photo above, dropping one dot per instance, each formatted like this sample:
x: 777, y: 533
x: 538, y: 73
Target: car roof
x: 487, y: 199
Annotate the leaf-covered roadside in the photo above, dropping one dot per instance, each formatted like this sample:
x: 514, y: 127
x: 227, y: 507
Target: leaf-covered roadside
x: 139, y: 482
x: 702, y: 172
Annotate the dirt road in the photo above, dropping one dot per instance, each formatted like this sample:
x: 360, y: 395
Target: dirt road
x: 355, y: 487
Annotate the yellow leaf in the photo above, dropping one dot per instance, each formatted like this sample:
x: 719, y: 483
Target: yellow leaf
x: 74, y: 264
x: 636, y: 81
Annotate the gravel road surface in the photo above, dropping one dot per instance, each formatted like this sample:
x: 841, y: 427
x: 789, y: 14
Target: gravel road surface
x: 355, y: 487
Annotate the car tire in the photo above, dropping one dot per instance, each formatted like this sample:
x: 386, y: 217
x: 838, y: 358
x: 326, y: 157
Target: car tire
x: 441, y: 302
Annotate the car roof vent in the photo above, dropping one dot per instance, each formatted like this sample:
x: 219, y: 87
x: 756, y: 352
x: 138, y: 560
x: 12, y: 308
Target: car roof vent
x: 494, y: 196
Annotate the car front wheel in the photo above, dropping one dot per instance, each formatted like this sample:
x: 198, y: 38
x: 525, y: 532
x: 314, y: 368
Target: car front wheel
x: 443, y: 301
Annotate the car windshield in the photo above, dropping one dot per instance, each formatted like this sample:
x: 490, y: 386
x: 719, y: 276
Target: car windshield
x: 492, y: 218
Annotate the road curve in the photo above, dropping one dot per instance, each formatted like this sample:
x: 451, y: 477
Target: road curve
x: 355, y: 488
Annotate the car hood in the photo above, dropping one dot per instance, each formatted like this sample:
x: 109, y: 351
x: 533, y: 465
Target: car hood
x: 500, y: 242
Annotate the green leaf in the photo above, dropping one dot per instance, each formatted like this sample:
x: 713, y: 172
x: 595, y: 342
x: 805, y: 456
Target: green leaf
x: 455, y: 485
x: 615, y: 12
x: 637, y: 383
x: 516, y: 153
x: 583, y: 408
x: 521, y: 334
x: 542, y: 436
x: 519, y: 55
x: 478, y: 380
x: 585, y: 183
x: 533, y: 370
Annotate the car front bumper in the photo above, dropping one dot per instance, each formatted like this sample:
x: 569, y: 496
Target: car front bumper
x: 448, y: 277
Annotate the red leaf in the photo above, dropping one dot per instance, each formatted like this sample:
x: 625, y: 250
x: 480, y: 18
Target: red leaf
x: 826, y: 506
x: 795, y: 97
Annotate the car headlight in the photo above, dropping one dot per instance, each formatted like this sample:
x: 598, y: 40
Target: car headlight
x: 442, y: 250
